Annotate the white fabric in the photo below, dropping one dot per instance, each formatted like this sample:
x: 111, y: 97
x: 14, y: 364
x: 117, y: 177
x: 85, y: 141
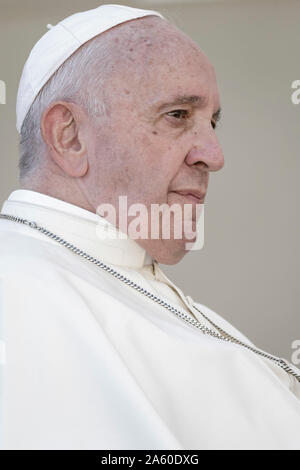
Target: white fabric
x: 61, y: 41
x: 93, y: 364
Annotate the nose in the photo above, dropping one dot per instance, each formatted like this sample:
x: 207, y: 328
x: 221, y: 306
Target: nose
x: 206, y: 149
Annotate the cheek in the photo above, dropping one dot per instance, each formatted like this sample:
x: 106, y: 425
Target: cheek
x: 163, y: 156
x: 142, y: 165
x: 163, y: 170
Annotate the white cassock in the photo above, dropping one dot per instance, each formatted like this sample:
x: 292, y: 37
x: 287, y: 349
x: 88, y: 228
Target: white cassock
x: 90, y: 363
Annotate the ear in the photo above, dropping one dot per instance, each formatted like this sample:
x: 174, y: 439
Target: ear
x: 62, y: 128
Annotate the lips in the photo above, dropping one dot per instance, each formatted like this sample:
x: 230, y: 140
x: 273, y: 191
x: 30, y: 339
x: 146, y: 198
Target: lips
x: 192, y: 194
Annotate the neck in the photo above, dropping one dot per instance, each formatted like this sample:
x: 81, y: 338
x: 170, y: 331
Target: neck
x: 63, y: 188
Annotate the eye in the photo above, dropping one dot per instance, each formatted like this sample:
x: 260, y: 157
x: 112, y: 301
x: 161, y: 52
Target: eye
x: 179, y: 113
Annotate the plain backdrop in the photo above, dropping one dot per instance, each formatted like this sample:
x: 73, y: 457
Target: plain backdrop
x: 248, y: 270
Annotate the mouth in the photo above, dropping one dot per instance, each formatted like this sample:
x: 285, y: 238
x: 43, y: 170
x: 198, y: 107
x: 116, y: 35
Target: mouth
x: 192, y: 195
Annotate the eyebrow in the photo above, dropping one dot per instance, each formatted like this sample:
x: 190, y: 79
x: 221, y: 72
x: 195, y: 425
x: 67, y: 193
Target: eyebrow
x: 184, y: 99
x: 194, y: 100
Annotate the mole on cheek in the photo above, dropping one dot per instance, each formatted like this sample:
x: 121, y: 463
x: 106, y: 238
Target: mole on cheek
x: 154, y: 132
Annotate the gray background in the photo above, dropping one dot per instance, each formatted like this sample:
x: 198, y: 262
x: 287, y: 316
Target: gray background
x: 248, y: 270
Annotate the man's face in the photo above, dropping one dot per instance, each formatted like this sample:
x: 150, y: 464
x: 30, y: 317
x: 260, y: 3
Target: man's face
x: 159, y: 140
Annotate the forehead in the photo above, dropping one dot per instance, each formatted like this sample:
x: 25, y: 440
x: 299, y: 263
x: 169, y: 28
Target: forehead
x: 186, y: 73
x: 163, y: 65
x: 179, y: 81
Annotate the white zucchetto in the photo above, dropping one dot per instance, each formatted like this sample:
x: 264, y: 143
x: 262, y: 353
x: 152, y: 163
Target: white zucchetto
x: 61, y: 41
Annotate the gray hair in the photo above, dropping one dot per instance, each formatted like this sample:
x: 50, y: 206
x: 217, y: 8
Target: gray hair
x: 77, y: 80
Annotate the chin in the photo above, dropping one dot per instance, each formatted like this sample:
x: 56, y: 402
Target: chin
x: 170, y: 258
x: 167, y: 251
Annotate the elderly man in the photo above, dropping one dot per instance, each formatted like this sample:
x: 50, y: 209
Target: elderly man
x: 102, y: 351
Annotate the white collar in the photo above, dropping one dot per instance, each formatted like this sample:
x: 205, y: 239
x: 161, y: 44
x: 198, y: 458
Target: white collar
x: 78, y: 226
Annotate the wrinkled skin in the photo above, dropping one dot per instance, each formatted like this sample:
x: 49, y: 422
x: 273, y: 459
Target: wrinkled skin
x: 144, y: 149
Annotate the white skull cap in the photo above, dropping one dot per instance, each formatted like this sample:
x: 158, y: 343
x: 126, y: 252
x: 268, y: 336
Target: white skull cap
x: 59, y: 43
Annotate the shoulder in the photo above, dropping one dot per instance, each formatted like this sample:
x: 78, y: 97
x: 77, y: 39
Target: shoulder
x: 35, y: 265
x: 22, y: 254
x: 30, y: 260
x: 40, y: 284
